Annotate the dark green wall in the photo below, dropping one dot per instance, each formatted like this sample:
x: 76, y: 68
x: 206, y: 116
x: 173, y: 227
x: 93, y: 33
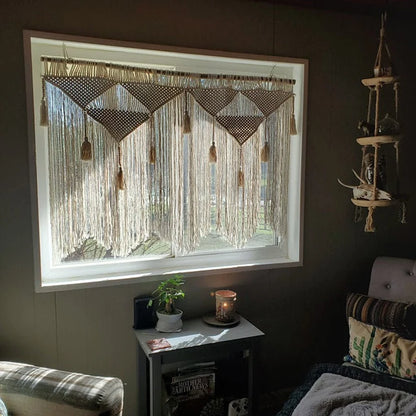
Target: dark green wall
x: 300, y: 309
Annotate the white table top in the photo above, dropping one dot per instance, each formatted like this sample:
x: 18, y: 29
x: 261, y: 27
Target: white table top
x: 196, y: 332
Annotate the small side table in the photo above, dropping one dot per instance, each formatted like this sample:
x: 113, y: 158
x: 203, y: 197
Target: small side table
x: 197, y: 341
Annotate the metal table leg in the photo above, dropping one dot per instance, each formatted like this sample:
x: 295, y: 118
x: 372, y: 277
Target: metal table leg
x: 142, y: 372
x: 155, y: 385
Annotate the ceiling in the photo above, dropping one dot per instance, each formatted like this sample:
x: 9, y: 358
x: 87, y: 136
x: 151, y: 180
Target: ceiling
x: 354, y: 6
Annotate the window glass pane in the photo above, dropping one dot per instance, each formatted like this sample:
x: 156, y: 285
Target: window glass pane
x: 91, y: 250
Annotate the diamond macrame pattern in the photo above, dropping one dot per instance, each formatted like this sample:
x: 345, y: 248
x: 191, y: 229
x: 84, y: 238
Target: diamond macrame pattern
x: 81, y: 90
x: 240, y: 127
x: 267, y: 101
x: 119, y: 123
x: 213, y: 100
x: 152, y: 96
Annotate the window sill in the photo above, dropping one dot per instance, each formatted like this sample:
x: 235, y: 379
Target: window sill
x: 112, y: 279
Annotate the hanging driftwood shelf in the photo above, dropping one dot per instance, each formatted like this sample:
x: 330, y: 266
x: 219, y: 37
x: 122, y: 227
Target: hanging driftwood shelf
x: 373, y: 82
x: 374, y: 189
x: 375, y: 203
x: 374, y: 140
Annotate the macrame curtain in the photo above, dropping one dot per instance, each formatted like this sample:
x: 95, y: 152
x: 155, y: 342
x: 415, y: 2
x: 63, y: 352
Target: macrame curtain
x: 147, y: 135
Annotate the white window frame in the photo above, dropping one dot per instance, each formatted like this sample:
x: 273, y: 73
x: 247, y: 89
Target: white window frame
x: 72, y: 276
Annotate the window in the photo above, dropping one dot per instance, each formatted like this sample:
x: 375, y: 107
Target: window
x: 151, y: 161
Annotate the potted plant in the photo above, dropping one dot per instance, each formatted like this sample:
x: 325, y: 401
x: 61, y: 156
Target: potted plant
x: 168, y: 291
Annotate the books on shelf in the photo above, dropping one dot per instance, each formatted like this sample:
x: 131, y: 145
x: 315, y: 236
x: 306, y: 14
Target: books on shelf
x: 190, y: 388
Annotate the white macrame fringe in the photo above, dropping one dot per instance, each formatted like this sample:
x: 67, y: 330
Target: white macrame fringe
x: 160, y: 199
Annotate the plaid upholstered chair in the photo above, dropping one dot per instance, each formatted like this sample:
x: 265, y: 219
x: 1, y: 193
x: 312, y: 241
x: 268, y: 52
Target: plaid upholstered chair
x: 37, y: 391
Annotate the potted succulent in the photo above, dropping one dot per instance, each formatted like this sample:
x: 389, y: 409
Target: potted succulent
x: 168, y: 291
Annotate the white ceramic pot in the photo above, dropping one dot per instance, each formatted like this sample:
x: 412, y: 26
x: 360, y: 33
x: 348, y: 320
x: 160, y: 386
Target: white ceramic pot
x: 169, y: 322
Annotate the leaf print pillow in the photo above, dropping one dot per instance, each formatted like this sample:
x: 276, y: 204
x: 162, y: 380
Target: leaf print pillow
x: 381, y: 350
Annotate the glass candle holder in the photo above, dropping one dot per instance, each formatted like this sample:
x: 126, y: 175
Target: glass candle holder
x: 225, y: 305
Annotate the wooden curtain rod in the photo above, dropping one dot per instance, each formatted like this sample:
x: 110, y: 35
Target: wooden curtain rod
x: 170, y: 72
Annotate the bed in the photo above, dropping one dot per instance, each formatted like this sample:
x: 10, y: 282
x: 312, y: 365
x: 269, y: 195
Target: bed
x: 378, y: 375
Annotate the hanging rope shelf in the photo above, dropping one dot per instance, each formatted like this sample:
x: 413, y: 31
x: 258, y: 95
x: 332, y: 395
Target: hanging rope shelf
x: 372, y: 192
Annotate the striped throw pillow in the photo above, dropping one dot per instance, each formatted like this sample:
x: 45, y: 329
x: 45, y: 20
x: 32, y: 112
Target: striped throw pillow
x: 394, y: 316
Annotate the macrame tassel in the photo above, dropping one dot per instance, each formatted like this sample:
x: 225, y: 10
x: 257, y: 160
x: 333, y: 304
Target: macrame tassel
x: 213, y: 153
x: 120, y: 180
x: 86, y: 149
x: 213, y: 149
x: 240, y: 178
x: 121, y: 185
x: 240, y: 171
x: 293, y: 129
x: 186, y: 117
x: 152, y: 150
x: 43, y: 113
x: 152, y: 154
x: 43, y: 107
x: 186, y: 123
x: 265, y: 152
x: 369, y: 225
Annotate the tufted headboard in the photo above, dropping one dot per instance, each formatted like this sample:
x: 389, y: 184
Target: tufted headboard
x: 393, y: 279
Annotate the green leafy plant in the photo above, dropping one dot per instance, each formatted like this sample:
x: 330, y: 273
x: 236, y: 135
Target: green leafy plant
x: 168, y: 292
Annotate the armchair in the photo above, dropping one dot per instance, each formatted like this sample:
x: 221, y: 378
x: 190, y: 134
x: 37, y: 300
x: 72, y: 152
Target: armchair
x: 37, y: 391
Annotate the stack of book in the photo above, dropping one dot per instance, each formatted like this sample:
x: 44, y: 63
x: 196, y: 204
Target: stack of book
x: 189, y: 389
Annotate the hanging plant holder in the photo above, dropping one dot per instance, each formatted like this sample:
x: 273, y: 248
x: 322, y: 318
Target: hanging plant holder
x: 373, y: 190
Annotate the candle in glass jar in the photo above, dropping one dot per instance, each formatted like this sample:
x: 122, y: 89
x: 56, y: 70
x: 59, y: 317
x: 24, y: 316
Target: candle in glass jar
x: 225, y: 305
